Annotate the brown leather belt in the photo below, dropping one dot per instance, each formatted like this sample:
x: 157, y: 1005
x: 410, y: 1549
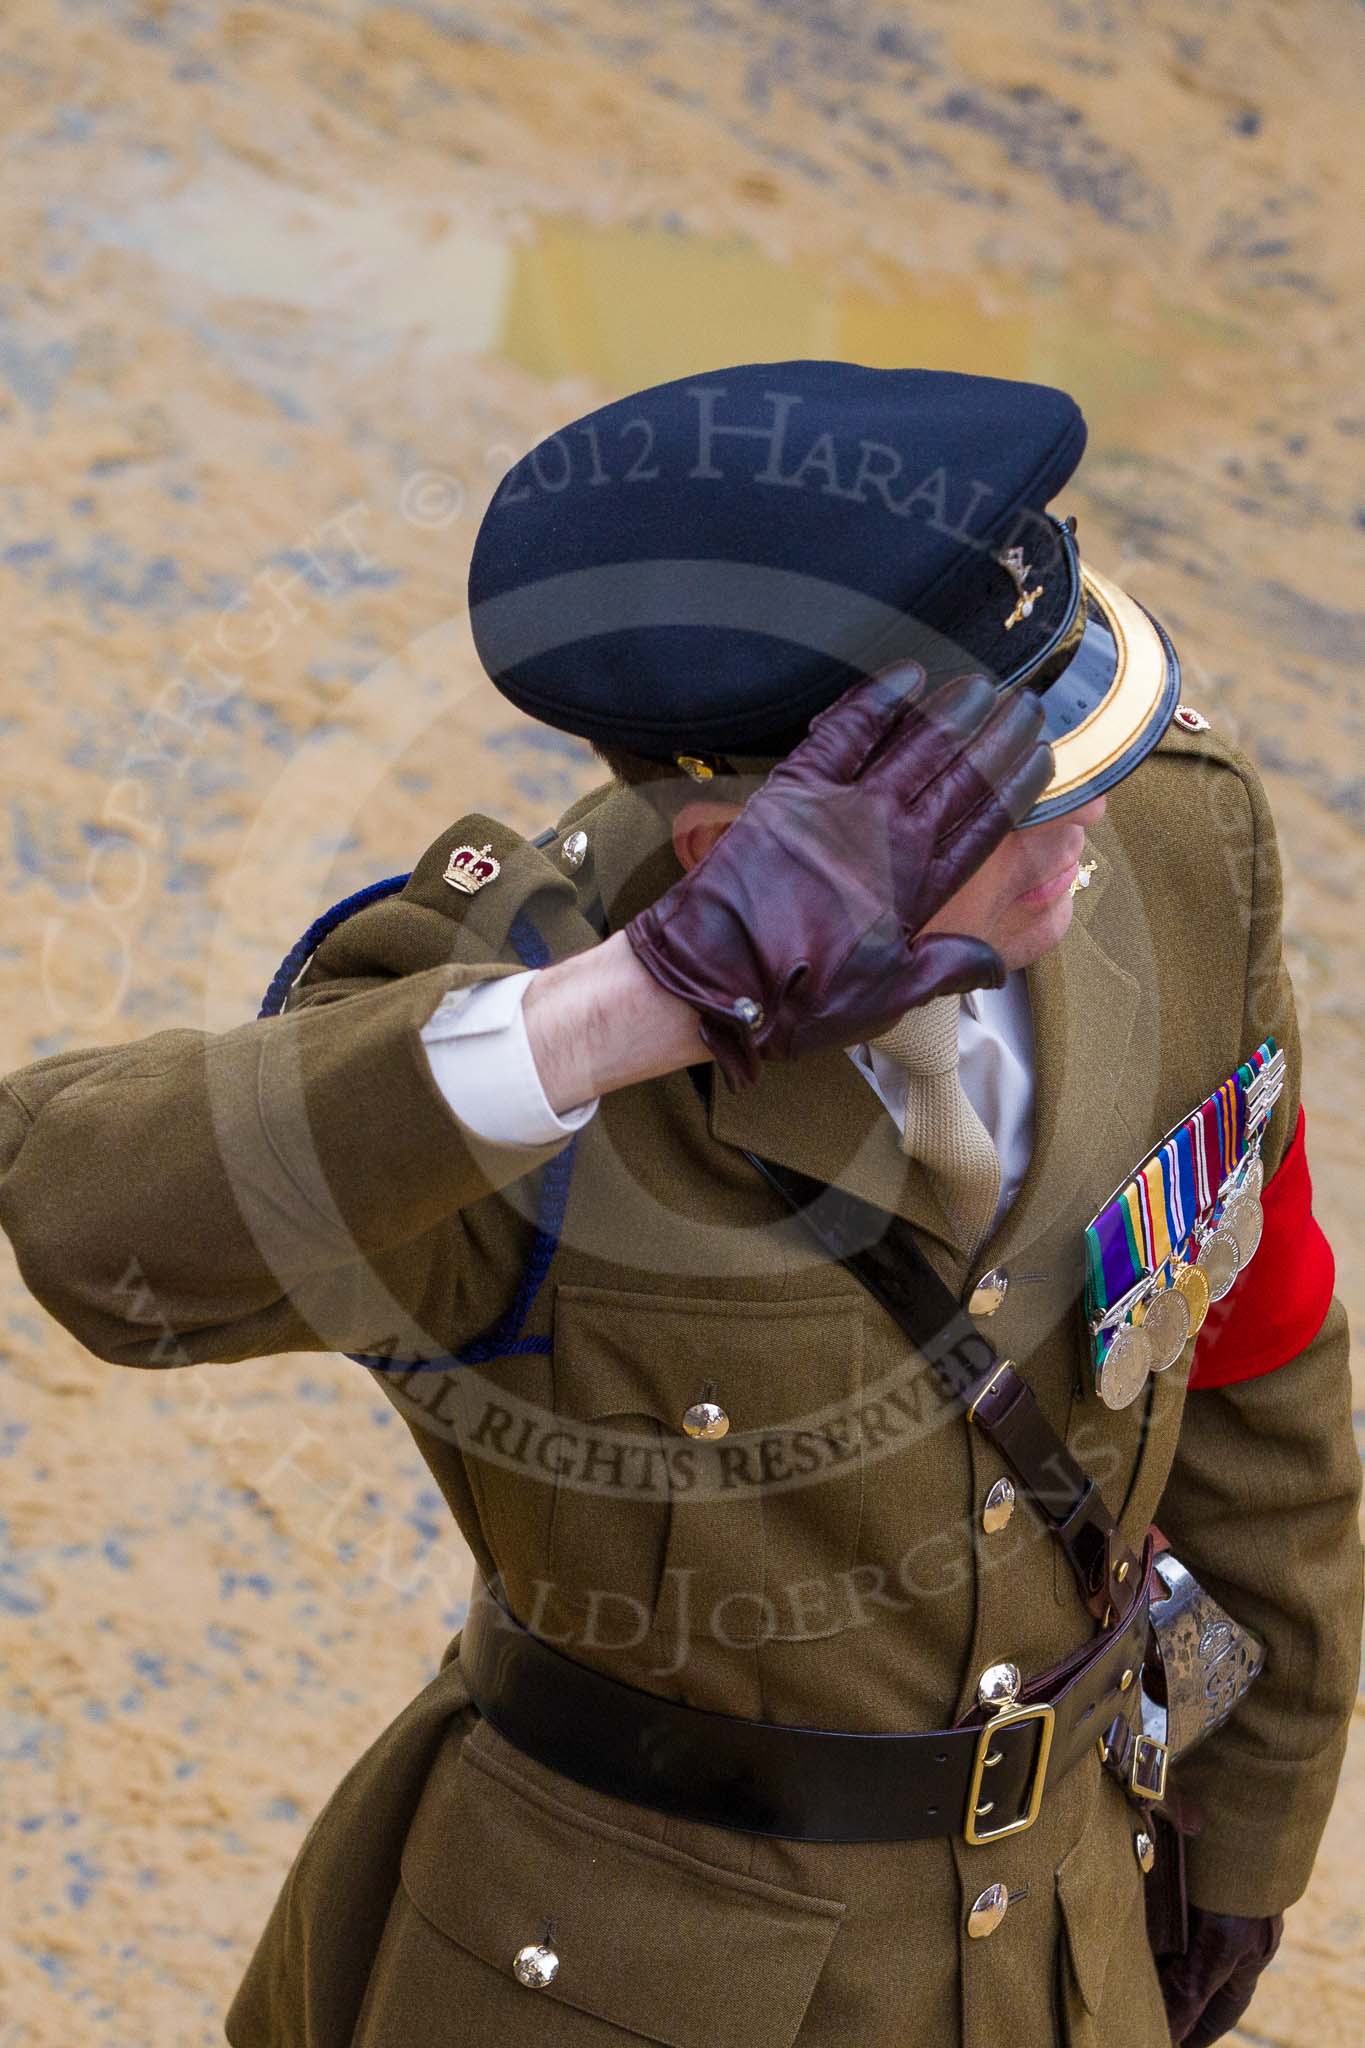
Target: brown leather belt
x: 986, y: 1778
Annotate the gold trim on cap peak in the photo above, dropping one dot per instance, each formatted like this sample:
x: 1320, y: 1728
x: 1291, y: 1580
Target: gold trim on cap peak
x: 1106, y: 734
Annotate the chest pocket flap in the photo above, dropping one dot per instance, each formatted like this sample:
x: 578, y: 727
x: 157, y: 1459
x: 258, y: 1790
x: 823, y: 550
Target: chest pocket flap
x: 741, y: 1520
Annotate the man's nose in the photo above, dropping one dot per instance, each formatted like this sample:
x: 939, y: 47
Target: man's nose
x: 1089, y: 814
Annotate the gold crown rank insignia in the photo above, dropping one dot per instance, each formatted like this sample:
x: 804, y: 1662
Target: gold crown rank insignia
x: 469, y: 867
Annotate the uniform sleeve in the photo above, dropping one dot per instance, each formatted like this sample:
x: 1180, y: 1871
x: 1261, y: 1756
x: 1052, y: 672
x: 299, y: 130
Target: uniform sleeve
x: 1262, y: 1503
x: 297, y: 1183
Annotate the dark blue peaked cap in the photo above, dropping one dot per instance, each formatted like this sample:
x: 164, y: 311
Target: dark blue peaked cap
x: 701, y: 566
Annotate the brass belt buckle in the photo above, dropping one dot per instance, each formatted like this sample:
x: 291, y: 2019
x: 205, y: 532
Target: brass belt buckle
x: 1147, y: 1771
x: 1008, y: 1717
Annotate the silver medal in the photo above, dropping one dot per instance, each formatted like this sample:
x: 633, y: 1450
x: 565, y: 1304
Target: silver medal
x: 1245, y: 1218
x: 1219, y: 1258
x: 1122, y: 1373
x: 1167, y: 1327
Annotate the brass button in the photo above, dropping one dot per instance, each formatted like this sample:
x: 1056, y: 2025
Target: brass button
x: 1121, y: 1571
x: 1127, y: 1679
x: 988, y: 1293
x: 988, y: 1911
x: 1144, y: 1848
x: 998, y: 1685
x: 999, y: 1506
x: 574, y: 850
x: 535, y: 1966
x: 706, y: 1419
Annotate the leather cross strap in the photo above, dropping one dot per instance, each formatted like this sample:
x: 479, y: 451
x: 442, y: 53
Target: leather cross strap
x: 881, y: 1251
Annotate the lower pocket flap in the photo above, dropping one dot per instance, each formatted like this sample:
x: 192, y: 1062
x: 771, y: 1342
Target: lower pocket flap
x: 1099, y: 1886
x: 650, y: 1940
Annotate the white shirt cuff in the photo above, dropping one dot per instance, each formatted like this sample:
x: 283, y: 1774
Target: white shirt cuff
x: 481, y: 1060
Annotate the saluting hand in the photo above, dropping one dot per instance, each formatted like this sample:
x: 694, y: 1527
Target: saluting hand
x: 801, y: 928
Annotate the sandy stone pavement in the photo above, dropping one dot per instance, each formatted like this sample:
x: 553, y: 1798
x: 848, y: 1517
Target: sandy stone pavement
x: 287, y: 287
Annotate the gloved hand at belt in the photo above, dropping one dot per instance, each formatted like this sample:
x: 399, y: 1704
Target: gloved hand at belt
x: 800, y: 928
x: 1210, y: 1986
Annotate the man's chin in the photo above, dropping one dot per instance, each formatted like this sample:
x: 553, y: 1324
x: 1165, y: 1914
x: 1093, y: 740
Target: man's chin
x: 1033, y: 933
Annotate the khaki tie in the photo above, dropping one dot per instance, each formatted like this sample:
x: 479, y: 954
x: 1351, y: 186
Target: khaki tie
x: 941, y: 1129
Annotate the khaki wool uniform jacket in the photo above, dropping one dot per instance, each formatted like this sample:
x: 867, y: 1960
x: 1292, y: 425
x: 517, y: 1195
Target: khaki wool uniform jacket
x: 300, y: 1183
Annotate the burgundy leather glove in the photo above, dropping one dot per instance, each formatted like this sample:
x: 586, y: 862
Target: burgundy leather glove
x: 1210, y: 1986
x: 797, y: 931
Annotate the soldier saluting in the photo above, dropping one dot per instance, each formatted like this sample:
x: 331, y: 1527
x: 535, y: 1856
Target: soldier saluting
x: 816, y: 1212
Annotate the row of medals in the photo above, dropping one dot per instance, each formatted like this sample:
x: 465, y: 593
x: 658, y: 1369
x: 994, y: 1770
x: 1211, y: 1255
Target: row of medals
x: 1163, y: 1312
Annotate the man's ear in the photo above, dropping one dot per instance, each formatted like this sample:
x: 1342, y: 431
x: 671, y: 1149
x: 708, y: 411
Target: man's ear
x: 697, y: 827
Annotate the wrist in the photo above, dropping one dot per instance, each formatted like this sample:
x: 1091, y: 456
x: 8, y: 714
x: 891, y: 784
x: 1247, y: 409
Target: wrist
x: 599, y: 1021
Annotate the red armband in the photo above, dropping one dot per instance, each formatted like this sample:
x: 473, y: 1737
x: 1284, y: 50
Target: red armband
x: 1276, y: 1307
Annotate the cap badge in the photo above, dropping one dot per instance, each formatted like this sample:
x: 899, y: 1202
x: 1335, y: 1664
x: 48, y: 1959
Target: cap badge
x: 1013, y: 563
x: 469, y: 867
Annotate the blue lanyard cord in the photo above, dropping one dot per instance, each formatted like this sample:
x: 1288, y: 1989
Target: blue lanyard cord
x: 502, y: 1339
x: 299, y: 954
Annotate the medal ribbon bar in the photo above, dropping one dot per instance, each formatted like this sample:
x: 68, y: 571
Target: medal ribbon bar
x: 1175, y: 1234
